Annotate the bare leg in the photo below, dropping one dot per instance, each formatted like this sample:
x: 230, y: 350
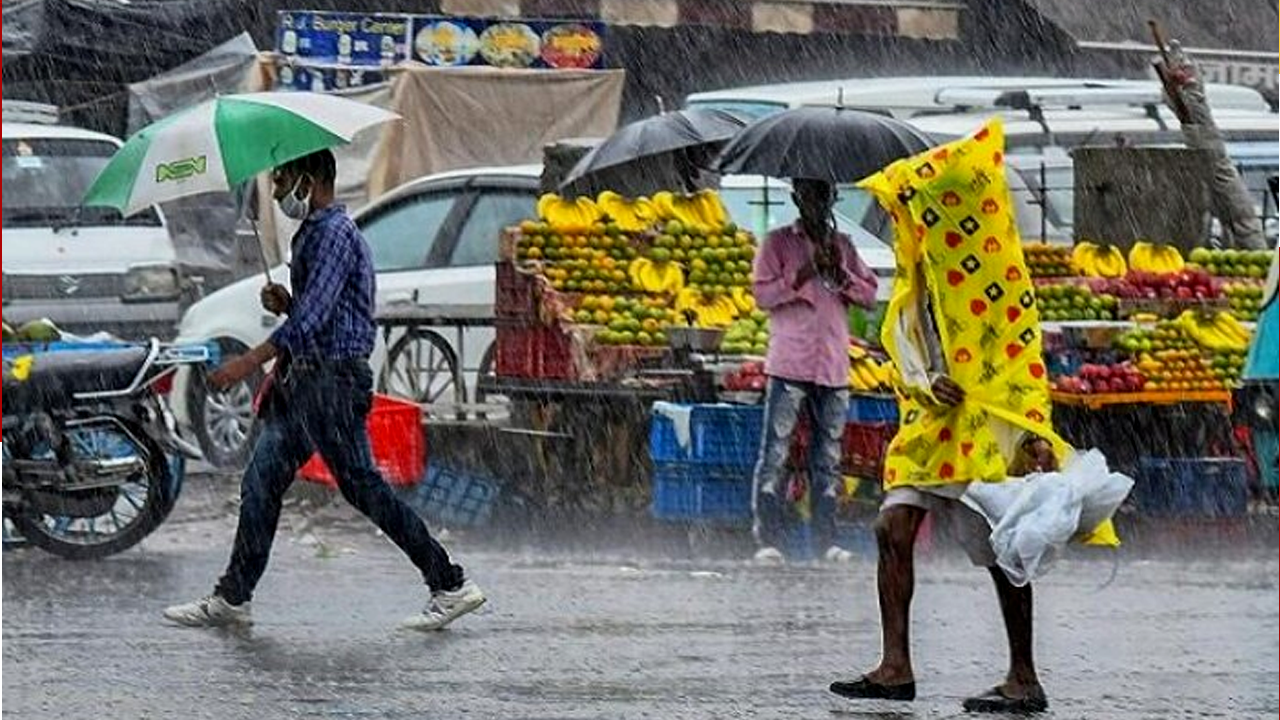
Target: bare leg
x: 1016, y: 607
x: 896, y: 530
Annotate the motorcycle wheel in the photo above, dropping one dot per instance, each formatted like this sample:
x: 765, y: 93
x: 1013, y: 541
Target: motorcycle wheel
x: 137, y: 508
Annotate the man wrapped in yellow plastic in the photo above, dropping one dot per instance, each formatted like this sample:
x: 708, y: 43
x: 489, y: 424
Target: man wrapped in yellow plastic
x: 963, y: 331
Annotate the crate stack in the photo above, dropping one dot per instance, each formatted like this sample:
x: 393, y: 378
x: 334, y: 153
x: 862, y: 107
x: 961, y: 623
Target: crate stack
x: 704, y: 475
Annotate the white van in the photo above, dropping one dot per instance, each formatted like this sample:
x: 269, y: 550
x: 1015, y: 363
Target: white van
x: 913, y: 96
x: 86, y: 269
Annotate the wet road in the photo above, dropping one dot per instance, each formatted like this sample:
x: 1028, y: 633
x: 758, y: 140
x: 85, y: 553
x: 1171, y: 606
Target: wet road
x: 568, y: 636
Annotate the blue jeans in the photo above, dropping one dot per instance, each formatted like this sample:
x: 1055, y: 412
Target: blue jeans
x: 323, y: 408
x: 826, y: 409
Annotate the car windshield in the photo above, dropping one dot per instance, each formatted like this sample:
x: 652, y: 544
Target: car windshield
x: 762, y: 208
x: 45, y: 179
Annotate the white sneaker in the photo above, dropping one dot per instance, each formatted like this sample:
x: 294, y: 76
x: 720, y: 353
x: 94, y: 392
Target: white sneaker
x: 769, y: 556
x: 837, y: 554
x: 211, y: 611
x: 446, y: 606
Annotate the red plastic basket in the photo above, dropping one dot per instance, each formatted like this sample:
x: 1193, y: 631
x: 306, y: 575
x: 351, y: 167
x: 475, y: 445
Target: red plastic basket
x: 862, y: 448
x: 399, y: 445
x: 534, y: 351
x: 516, y: 297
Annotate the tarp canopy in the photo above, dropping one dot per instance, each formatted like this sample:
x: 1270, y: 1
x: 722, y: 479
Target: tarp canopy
x: 445, y: 110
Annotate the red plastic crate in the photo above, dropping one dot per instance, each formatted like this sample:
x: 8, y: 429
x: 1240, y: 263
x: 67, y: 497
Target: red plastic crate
x: 534, y: 351
x: 516, y: 296
x: 862, y: 448
x: 399, y: 445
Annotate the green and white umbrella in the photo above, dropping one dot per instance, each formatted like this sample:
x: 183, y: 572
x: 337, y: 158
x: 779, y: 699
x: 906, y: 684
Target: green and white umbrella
x: 221, y: 143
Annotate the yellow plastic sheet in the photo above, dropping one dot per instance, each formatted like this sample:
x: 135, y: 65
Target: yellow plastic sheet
x: 955, y: 229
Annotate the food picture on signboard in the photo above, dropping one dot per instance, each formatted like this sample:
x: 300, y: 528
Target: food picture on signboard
x: 446, y: 43
x: 510, y: 45
x: 571, y: 46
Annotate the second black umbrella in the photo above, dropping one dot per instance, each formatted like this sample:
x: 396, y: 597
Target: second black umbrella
x: 820, y: 143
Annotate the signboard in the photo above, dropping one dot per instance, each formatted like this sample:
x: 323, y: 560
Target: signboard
x: 309, y: 38
x: 547, y: 44
x: 343, y: 38
x: 299, y: 75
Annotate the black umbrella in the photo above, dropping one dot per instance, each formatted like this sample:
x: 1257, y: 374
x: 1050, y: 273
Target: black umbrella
x: 662, y: 151
x: 820, y: 143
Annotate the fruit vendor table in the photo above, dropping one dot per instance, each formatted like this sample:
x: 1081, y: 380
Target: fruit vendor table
x: 589, y: 440
x: 1128, y: 427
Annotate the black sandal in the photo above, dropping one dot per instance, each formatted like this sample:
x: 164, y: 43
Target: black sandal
x: 864, y: 689
x: 996, y: 701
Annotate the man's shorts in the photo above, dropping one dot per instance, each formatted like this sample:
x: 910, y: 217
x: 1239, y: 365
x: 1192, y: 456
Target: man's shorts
x: 951, y: 518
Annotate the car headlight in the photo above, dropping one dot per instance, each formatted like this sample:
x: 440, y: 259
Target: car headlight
x: 151, y: 283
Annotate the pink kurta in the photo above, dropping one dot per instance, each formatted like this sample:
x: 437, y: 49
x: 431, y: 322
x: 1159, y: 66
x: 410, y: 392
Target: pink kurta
x: 809, y: 327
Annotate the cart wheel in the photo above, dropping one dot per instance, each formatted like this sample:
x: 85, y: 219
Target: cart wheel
x: 423, y: 367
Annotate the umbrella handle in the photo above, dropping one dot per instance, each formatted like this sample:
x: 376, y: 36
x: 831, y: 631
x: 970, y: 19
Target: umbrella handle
x: 262, y: 251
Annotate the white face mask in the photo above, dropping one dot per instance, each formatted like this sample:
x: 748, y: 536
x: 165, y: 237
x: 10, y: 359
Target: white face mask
x: 294, y: 207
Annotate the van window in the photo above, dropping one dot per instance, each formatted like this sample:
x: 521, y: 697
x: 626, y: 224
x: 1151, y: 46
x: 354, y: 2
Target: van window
x: 46, y: 178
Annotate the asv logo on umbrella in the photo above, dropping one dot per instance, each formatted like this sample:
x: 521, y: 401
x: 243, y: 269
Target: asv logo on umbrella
x: 182, y: 169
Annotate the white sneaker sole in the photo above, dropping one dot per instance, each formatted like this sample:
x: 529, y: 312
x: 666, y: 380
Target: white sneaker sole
x: 185, y: 621
x: 420, y: 623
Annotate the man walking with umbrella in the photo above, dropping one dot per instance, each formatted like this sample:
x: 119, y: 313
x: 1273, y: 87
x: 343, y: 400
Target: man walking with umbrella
x: 807, y: 276
x: 318, y: 400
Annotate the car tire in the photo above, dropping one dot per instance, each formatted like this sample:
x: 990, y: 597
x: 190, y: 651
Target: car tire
x: 224, y: 422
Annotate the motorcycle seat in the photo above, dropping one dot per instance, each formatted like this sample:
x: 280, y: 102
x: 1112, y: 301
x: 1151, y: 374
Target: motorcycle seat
x: 54, y: 378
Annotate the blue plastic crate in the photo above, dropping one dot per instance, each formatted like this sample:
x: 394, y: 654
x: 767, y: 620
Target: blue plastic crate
x: 701, y: 493
x: 456, y: 498
x: 1192, y: 487
x: 722, y: 435
x: 873, y: 409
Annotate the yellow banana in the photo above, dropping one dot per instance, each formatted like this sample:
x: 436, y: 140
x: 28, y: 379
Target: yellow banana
x: 1171, y: 260
x: 1084, y: 257
x: 867, y: 376
x: 1140, y: 256
x: 1109, y: 262
x: 1231, y: 327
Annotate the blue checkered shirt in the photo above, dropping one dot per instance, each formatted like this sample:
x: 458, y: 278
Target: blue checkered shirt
x: 333, y: 291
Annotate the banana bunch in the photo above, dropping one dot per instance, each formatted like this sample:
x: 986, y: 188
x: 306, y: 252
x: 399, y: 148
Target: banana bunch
x: 1221, y: 333
x: 867, y: 374
x: 572, y: 216
x: 1161, y: 259
x: 1104, y: 261
x: 702, y: 209
x: 629, y: 215
x: 664, y: 278
x: 743, y: 300
x: 708, y: 311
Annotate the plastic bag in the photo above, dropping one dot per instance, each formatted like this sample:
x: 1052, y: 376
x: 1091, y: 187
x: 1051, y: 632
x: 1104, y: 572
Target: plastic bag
x: 1032, y: 518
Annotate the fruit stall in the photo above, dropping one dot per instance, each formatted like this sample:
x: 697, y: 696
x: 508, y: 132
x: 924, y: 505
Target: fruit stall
x: 1145, y: 351
x: 628, y: 335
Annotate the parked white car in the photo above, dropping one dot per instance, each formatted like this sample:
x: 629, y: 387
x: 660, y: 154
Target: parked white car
x: 435, y: 242
x: 86, y: 269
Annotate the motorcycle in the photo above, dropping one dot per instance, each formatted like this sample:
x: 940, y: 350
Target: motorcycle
x: 88, y: 438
